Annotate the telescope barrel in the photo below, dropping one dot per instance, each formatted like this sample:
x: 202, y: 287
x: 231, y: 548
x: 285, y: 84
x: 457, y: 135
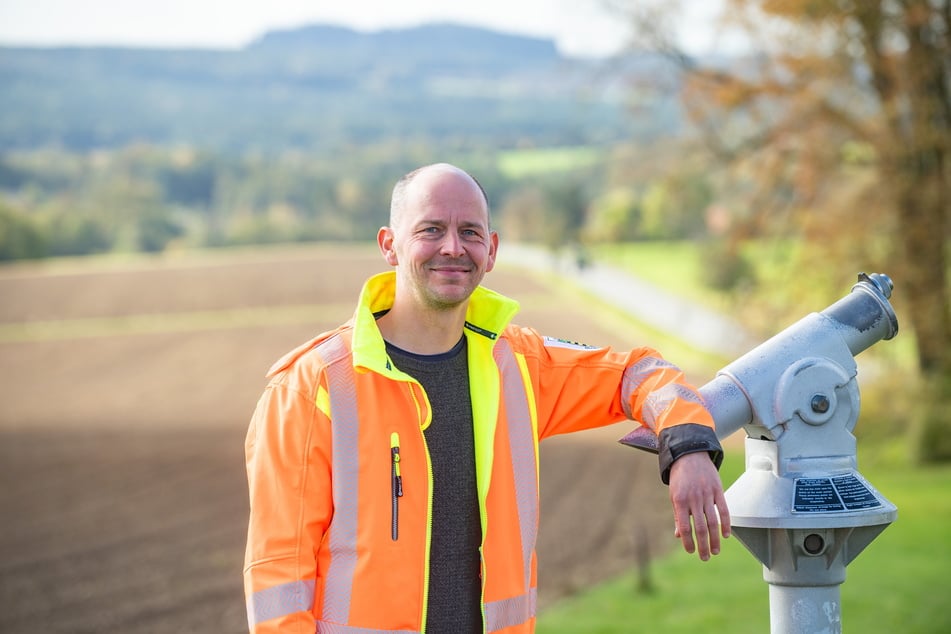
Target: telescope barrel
x: 865, y: 315
x: 858, y: 320
x: 728, y: 405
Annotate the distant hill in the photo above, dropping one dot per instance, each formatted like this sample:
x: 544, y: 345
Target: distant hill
x: 318, y: 88
x: 432, y: 47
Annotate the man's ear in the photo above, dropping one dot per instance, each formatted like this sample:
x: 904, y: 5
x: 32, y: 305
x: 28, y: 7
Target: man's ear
x: 384, y: 239
x: 493, y: 250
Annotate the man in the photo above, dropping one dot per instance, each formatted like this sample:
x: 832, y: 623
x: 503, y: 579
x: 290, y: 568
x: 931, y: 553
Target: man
x: 393, y: 462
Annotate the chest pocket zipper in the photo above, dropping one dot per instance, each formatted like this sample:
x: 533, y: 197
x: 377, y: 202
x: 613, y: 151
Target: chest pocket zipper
x: 396, y: 484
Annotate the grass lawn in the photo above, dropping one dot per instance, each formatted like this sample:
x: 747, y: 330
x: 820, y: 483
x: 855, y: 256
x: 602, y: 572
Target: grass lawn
x: 533, y: 162
x: 900, y: 583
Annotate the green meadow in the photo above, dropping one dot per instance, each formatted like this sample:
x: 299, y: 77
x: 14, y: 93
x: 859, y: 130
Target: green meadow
x: 900, y: 583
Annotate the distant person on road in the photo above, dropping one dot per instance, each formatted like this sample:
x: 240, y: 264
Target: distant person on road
x: 393, y: 461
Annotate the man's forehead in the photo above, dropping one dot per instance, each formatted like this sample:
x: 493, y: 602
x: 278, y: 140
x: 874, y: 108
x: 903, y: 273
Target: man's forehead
x: 457, y: 196
x: 461, y: 219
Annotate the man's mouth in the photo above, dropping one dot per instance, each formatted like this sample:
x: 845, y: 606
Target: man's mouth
x: 451, y: 269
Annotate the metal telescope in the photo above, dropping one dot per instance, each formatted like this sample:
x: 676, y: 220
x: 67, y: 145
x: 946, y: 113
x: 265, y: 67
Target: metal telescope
x: 801, y: 507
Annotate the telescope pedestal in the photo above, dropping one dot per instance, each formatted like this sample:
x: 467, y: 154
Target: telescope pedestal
x: 801, y: 507
x: 805, y: 527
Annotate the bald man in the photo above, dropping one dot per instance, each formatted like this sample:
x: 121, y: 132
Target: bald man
x: 393, y: 461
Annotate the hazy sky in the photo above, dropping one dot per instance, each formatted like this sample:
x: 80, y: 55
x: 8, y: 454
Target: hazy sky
x: 580, y: 27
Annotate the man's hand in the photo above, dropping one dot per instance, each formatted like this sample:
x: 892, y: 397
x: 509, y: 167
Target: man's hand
x: 697, y: 494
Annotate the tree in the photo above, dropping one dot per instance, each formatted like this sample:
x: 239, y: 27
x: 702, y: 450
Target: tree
x: 614, y: 216
x: 19, y: 236
x: 674, y: 206
x: 838, y: 91
x: 567, y: 205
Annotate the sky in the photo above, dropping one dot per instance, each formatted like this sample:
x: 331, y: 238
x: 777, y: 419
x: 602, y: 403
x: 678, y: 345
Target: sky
x: 579, y: 27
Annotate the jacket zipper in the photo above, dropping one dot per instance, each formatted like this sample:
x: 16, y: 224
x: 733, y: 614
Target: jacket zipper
x: 397, y: 483
x: 429, y: 526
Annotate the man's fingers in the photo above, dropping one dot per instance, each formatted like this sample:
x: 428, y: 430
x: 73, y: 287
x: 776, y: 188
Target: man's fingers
x: 725, y: 528
x: 701, y: 531
x: 713, y: 528
x: 704, y: 540
x: 683, y: 531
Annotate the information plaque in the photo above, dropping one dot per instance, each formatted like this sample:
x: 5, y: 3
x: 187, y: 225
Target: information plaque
x: 829, y: 495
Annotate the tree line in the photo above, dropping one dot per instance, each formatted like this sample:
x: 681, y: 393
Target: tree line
x: 148, y: 199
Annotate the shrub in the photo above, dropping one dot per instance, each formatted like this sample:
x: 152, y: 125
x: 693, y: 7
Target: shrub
x: 724, y: 268
x: 932, y: 421
x: 19, y: 236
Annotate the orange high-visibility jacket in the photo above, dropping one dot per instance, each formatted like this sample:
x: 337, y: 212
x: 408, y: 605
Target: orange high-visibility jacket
x: 339, y: 474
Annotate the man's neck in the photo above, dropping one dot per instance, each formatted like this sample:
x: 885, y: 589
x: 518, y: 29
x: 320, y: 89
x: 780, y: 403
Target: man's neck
x: 423, y: 332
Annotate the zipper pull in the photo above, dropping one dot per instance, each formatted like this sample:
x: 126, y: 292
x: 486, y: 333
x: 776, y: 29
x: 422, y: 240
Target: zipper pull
x: 395, y: 455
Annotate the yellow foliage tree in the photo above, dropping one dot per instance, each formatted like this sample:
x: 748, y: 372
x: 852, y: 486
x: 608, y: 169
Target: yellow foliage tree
x: 829, y: 86
x: 839, y: 113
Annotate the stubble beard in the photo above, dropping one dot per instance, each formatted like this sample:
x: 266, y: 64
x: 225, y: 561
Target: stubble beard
x: 435, y: 298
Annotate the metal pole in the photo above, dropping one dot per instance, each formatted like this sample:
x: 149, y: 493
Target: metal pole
x: 799, y: 610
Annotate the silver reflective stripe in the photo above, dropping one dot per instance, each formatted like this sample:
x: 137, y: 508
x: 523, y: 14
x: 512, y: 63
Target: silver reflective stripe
x: 525, y: 469
x: 658, y: 402
x: 333, y: 628
x: 338, y: 587
x: 508, y: 612
x: 637, y: 374
x: 277, y: 601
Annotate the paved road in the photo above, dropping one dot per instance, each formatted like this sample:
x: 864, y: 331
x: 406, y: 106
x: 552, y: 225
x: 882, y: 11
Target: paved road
x: 702, y: 328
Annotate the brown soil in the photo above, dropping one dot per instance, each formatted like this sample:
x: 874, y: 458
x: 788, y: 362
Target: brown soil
x: 124, y: 495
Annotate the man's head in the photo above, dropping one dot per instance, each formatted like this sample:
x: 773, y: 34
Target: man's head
x: 439, y: 238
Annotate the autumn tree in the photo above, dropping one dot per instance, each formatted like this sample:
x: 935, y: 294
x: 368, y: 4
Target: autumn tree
x: 840, y: 110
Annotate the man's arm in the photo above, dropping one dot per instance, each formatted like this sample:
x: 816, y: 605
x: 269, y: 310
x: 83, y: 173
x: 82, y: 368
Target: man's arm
x: 689, y: 455
x: 290, y: 507
x: 589, y: 387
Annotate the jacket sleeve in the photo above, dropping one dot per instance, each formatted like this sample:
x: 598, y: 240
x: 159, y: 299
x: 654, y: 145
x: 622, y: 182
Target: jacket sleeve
x: 580, y: 387
x: 288, y: 464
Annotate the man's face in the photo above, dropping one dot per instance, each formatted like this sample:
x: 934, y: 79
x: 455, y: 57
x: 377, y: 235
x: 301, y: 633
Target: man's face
x: 441, y: 244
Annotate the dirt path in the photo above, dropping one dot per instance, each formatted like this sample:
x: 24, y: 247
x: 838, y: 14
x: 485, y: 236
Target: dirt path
x: 121, y: 456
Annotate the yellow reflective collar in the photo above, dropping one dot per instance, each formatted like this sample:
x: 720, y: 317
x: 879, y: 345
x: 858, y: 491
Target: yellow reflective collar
x: 488, y: 314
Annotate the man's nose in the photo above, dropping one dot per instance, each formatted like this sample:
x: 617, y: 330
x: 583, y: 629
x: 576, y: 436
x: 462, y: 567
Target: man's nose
x: 452, y: 244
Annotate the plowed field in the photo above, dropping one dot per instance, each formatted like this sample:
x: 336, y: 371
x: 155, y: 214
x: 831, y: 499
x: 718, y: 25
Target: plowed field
x: 125, y: 392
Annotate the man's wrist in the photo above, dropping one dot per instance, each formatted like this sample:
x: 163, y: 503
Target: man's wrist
x: 680, y: 440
